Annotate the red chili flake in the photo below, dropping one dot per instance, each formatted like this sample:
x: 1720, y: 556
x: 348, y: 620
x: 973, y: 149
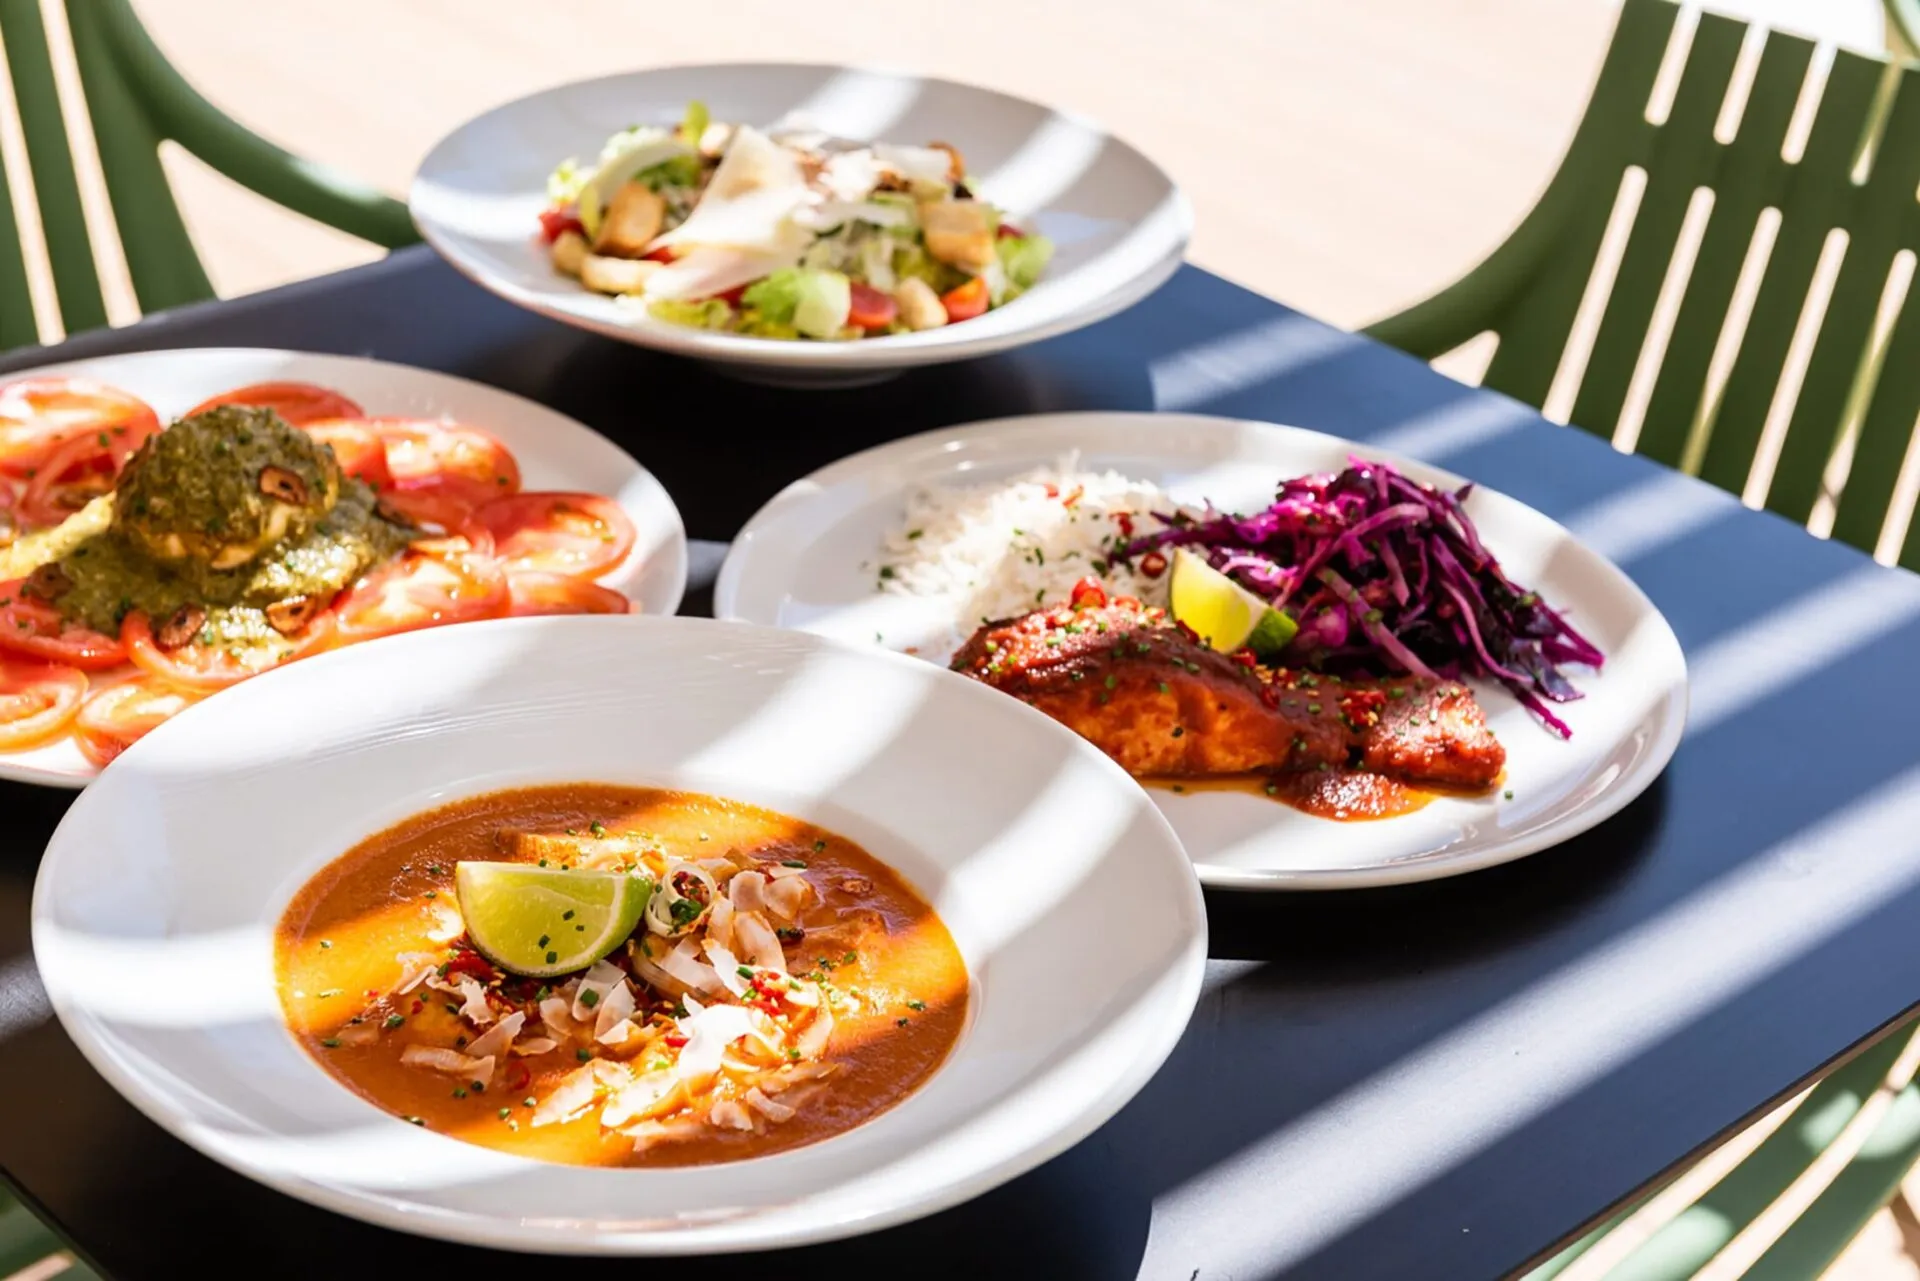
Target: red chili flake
x: 472, y: 963
x: 1127, y: 602
x: 519, y: 1077
x: 1088, y: 594
x: 1125, y: 521
x: 675, y: 1039
x: 1073, y: 495
x: 1271, y: 697
x: 1187, y: 632
x: 1153, y: 564
x: 1245, y: 658
x: 418, y: 1005
x: 1053, y: 490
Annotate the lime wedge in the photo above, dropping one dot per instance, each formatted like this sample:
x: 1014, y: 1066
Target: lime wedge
x: 546, y: 921
x: 1224, y: 614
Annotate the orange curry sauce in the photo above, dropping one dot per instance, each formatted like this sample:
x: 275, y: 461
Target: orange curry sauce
x: 864, y: 928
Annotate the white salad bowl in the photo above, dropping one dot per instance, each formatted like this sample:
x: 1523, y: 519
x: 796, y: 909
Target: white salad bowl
x: 176, y: 865
x: 1119, y: 224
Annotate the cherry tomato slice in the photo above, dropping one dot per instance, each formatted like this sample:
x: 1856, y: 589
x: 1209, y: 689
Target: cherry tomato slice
x: 114, y: 719
x: 356, y: 447
x: 443, y: 471
x: 298, y: 403
x: 553, y: 222
x: 31, y: 626
x: 38, y: 415
x: 423, y: 591
x: 967, y: 301
x: 37, y: 700
x: 201, y: 668
x: 583, y: 535
x: 77, y: 472
x: 871, y: 308
x: 558, y: 594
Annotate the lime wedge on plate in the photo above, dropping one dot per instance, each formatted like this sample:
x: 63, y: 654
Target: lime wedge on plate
x: 1223, y: 613
x: 546, y: 921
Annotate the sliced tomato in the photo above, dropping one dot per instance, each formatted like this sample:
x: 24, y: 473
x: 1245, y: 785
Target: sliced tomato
x: 443, y: 471
x: 202, y: 668
x: 38, y: 415
x: 555, y: 222
x: 78, y: 471
x: 114, y: 719
x: 31, y: 626
x: 583, y: 535
x: 298, y: 403
x: 871, y: 308
x: 356, y: 447
x: 967, y: 301
x: 558, y: 594
x: 37, y: 700
x: 423, y: 591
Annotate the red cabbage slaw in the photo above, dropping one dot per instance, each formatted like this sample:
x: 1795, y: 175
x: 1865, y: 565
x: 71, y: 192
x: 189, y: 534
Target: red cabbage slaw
x: 1386, y: 575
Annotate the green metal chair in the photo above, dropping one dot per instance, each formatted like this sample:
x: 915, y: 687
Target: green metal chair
x: 1528, y: 291
x: 136, y: 100
x: 26, y: 1242
x: 1528, y: 294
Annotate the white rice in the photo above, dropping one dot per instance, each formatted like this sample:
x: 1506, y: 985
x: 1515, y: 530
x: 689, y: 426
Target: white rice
x: 1001, y: 549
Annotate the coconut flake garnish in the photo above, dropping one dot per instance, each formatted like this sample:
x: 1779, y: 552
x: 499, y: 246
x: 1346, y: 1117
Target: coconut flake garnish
x: 574, y: 1095
x: 748, y: 890
x: 813, y: 1042
x: 500, y: 1036
x: 787, y: 895
x: 761, y: 945
x: 613, y: 1009
x: 720, y: 922
x: 599, y: 980
x: 709, y: 1031
x: 727, y: 966
x: 447, y: 925
x: 639, y: 1098
x: 471, y: 1067
x: 415, y: 969
x: 556, y: 1014
x: 535, y: 1045
x: 474, y: 1007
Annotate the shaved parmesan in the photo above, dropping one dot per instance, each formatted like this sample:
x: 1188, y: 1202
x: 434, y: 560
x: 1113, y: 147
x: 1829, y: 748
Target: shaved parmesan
x: 707, y: 270
x: 915, y: 164
x: 749, y: 200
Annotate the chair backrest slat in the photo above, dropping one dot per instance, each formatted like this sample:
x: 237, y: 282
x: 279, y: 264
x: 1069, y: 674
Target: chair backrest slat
x: 18, y: 324
x: 1750, y: 178
x: 63, y: 221
x: 1534, y: 325
x: 1816, y: 201
x: 160, y: 258
x: 1879, y: 224
x: 1683, y: 154
x: 1780, y: 346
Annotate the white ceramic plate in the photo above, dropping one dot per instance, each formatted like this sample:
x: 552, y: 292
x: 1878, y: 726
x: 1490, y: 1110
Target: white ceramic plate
x: 807, y: 560
x: 554, y: 452
x: 155, y: 903
x: 1119, y: 223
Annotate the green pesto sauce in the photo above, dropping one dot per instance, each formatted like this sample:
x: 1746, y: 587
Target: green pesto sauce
x: 110, y: 576
x: 193, y: 491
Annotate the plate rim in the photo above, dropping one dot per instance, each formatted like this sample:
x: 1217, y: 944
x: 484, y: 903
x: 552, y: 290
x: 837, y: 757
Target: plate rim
x: 899, y: 351
x: 1671, y: 724
x: 1156, y: 1043
x: 671, y: 599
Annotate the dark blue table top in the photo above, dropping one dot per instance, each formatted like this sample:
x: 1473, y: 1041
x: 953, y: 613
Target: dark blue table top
x: 1437, y: 1081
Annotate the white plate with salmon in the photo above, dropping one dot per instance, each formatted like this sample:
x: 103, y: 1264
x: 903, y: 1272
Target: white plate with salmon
x: 1331, y: 666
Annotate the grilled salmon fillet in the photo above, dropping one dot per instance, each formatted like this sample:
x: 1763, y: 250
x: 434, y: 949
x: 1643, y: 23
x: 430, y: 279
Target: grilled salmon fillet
x: 1147, y: 693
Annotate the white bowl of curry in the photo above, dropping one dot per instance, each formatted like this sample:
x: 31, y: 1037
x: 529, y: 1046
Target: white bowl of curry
x: 877, y: 973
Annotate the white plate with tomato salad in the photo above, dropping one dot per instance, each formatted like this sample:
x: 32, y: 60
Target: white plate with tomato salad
x: 520, y: 510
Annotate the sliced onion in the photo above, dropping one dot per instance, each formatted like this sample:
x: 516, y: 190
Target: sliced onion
x: 660, y: 907
x: 767, y: 1107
